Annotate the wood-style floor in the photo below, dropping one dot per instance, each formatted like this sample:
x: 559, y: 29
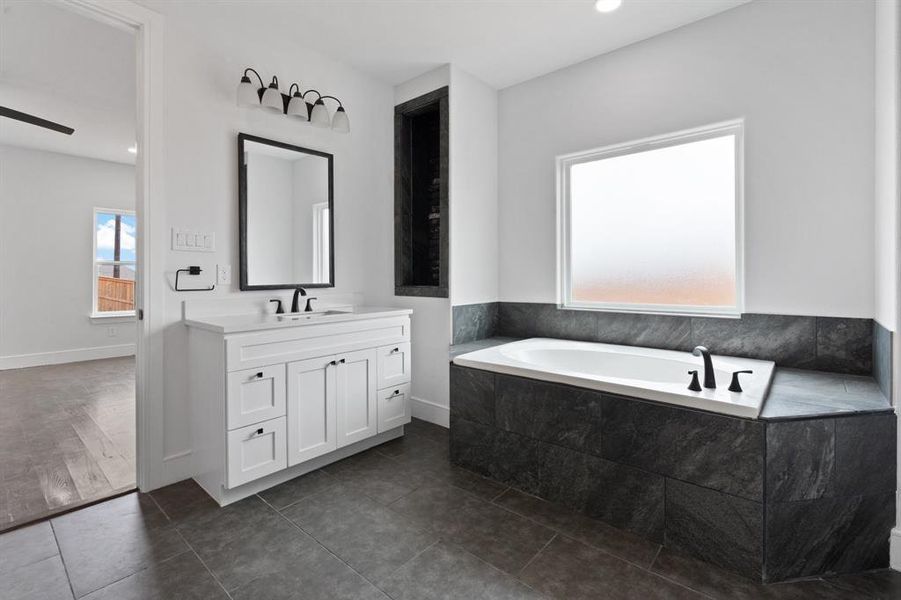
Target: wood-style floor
x: 67, y: 437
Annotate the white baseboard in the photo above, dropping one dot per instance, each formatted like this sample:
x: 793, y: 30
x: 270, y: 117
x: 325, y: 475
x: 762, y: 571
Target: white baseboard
x: 59, y: 357
x: 895, y: 550
x: 431, y: 412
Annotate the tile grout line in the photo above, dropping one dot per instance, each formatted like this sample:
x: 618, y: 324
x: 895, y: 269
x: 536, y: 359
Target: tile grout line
x: 61, y: 559
x: 202, y: 562
x: 534, y: 556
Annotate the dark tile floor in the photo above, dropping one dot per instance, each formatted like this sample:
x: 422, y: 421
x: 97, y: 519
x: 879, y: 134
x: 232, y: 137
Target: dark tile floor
x: 397, y: 521
x: 67, y: 437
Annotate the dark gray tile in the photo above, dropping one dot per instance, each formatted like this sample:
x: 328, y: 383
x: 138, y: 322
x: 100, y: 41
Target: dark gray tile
x: 716, y: 527
x: 881, y: 585
x: 26, y: 546
x: 310, y: 575
x: 625, y: 545
x: 444, y: 572
x: 434, y: 432
x: 787, y: 340
x: 649, y: 331
x: 570, y: 570
x: 183, y: 499
x: 411, y: 443
x: 291, y: 491
x: 844, y: 345
x: 715, y: 451
x: 472, y: 394
x: 381, y: 478
x: 829, y: 535
x: 725, y: 585
x: 497, y: 536
x: 367, y: 536
x: 130, y: 529
x: 865, y: 449
x: 474, y: 322
x: 183, y: 577
x: 259, y: 552
x: 525, y: 319
x: 882, y: 358
x: 617, y: 494
x: 559, y: 414
x: 208, y: 529
x: 800, y: 459
x: 437, y: 466
x: 41, y: 580
x: 506, y: 457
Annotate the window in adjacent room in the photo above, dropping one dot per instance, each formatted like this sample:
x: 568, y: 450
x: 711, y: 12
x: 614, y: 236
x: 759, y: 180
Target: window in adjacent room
x: 114, y: 262
x: 654, y: 225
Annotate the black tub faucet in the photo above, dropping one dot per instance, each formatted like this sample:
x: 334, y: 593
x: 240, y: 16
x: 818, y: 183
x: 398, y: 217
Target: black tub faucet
x: 709, y: 376
x: 295, y: 305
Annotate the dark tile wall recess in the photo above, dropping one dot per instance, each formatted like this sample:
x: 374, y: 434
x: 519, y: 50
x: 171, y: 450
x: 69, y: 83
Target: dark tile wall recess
x: 770, y: 500
x: 839, y: 345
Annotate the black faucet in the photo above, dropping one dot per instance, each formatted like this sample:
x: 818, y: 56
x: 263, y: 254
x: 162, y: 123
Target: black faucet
x: 295, y: 306
x: 709, y: 376
x: 309, y: 308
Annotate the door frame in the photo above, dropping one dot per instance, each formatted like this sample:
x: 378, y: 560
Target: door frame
x: 148, y: 27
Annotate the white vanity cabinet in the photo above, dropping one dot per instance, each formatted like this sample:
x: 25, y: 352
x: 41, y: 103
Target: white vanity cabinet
x: 273, y: 398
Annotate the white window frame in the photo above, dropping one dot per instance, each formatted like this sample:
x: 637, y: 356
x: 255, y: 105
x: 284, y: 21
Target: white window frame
x: 95, y: 262
x: 564, y: 165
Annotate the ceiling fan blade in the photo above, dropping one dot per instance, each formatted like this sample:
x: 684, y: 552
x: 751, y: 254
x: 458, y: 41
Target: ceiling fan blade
x: 33, y: 120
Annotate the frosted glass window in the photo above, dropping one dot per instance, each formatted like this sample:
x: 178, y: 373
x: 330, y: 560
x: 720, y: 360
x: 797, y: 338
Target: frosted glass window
x: 655, y: 226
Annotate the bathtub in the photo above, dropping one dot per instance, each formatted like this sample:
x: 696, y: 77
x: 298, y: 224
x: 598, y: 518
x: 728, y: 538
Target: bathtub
x: 646, y: 373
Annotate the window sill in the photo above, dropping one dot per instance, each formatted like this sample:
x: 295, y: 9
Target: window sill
x: 687, y: 311
x: 112, y: 317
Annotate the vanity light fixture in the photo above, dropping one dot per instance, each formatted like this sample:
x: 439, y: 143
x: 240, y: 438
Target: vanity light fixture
x: 293, y: 104
x: 606, y: 6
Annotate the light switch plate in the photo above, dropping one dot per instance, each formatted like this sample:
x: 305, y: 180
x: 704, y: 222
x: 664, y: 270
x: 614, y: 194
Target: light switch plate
x: 223, y: 274
x: 193, y: 241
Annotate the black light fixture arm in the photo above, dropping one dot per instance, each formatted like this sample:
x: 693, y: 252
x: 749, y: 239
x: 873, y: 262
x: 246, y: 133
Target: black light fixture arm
x: 333, y: 98
x: 252, y: 70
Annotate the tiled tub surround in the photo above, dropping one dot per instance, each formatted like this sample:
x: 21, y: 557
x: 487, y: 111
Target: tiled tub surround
x: 769, y: 499
x: 840, y: 345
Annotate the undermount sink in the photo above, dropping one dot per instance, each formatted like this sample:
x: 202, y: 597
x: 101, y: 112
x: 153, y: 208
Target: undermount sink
x: 302, y: 316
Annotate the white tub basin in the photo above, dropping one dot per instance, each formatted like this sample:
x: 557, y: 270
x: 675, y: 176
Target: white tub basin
x: 648, y: 373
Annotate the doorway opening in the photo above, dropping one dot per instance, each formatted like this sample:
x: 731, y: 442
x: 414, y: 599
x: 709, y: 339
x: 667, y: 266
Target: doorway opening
x: 68, y: 261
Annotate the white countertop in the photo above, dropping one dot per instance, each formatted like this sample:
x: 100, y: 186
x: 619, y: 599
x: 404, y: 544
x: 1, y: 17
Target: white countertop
x: 258, y: 322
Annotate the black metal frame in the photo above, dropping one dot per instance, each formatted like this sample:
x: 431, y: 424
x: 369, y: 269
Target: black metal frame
x: 242, y: 212
x: 17, y: 115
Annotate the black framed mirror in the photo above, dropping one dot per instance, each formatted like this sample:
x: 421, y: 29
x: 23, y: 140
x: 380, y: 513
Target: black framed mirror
x: 286, y: 204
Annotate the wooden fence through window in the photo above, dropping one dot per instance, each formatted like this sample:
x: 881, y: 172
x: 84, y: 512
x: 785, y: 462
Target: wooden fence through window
x: 115, y: 294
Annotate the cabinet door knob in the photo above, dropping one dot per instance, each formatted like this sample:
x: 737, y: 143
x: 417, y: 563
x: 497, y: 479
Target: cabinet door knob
x: 333, y: 363
x: 396, y: 393
x: 257, y: 432
x: 342, y: 361
x: 395, y: 350
x: 260, y: 375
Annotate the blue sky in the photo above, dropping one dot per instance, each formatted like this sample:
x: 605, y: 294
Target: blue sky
x: 104, y: 229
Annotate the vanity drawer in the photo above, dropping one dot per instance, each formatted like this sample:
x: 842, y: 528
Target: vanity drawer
x: 256, y: 451
x: 255, y: 395
x: 394, y: 365
x: 394, y: 407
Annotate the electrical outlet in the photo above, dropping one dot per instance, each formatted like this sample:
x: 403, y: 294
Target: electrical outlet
x: 223, y: 274
x: 112, y: 331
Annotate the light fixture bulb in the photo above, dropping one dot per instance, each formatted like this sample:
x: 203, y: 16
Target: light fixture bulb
x: 272, y: 99
x: 340, y: 122
x: 319, y: 117
x: 606, y: 6
x: 247, y: 93
x: 297, y: 108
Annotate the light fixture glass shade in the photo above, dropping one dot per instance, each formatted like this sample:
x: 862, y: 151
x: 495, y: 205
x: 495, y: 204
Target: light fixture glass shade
x: 319, y: 117
x: 340, y: 122
x: 297, y: 108
x: 272, y: 100
x: 606, y: 6
x: 247, y: 93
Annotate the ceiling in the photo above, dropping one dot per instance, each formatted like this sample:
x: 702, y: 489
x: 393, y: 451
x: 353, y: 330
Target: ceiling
x: 503, y: 42
x: 68, y: 68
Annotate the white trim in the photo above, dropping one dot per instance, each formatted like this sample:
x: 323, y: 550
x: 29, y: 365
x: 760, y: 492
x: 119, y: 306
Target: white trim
x: 430, y: 411
x: 124, y: 316
x: 58, y: 357
x: 895, y: 546
x: 150, y: 296
x: 566, y: 161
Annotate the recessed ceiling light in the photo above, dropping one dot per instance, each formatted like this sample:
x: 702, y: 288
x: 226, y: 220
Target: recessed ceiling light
x: 606, y: 6
x: 133, y: 149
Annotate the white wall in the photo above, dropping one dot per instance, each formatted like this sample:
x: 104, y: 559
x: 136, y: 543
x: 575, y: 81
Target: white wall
x: 473, y: 190
x: 270, y: 227
x: 206, y: 52
x: 800, y: 73
x: 46, y: 241
x: 310, y: 181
